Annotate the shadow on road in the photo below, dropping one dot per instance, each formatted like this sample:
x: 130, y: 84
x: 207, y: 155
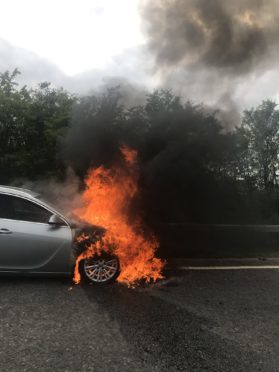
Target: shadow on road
x: 158, y: 330
x: 165, y: 335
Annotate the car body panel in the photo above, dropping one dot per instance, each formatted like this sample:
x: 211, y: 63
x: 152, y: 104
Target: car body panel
x: 34, y: 247
x: 30, y: 246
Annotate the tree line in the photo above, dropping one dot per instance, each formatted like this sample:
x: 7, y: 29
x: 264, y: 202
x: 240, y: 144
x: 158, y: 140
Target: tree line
x: 191, y: 168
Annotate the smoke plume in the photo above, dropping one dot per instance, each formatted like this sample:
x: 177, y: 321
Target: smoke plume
x: 232, y: 36
x: 64, y: 194
x: 209, y: 48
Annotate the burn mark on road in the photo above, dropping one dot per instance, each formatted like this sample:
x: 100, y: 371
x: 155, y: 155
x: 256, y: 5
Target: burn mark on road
x: 168, y: 336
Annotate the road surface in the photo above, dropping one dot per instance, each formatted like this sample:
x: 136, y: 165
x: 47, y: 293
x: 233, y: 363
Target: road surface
x: 195, y: 320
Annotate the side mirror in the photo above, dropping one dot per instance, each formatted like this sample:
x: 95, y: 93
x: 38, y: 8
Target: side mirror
x: 55, y: 220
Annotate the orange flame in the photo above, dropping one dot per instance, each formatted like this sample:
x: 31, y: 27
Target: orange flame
x: 106, y: 203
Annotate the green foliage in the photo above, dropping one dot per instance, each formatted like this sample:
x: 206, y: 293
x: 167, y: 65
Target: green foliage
x: 259, y: 135
x: 31, y: 122
x: 190, y: 169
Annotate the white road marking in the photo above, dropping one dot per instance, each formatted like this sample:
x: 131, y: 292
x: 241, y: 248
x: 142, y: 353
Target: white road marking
x: 263, y: 267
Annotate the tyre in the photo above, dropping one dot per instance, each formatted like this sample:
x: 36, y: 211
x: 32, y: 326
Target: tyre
x: 101, y: 269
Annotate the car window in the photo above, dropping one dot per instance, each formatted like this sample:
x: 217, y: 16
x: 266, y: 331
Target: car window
x: 15, y: 208
x: 5, y: 207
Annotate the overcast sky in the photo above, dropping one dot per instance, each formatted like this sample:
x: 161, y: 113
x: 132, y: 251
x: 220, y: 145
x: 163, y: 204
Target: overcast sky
x: 81, y: 44
x: 76, y: 35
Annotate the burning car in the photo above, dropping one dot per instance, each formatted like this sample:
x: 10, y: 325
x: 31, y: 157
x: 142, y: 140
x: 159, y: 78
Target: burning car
x: 37, y: 239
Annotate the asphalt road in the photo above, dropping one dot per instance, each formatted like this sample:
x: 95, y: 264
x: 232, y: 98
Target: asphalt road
x: 193, y: 321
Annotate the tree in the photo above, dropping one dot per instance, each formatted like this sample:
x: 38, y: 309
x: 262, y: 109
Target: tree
x: 14, y: 108
x: 259, y: 139
x: 48, y: 119
x: 95, y: 132
x: 31, y: 123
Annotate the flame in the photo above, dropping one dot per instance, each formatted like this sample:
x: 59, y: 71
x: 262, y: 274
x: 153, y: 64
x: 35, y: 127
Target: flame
x: 106, y: 200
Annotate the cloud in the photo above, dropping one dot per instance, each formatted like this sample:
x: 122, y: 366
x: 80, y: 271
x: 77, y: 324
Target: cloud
x: 33, y: 68
x: 125, y: 70
x: 213, y: 51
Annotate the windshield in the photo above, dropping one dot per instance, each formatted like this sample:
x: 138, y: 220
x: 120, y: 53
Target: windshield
x: 51, y: 206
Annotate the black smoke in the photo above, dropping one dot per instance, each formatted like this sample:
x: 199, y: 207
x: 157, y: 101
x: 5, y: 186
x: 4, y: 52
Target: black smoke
x: 234, y: 36
x: 209, y: 49
x: 181, y: 149
x: 95, y: 132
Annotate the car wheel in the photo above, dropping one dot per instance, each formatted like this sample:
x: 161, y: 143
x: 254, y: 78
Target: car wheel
x: 100, y: 269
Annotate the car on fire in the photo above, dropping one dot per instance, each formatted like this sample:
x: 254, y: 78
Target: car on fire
x: 37, y: 239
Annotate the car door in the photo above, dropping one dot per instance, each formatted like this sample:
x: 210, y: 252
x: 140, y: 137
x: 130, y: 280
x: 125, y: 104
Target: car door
x: 27, y: 241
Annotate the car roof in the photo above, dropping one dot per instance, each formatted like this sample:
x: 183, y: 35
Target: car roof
x: 18, y: 191
x: 25, y: 193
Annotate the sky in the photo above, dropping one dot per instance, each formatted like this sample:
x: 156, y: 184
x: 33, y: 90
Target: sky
x: 75, y: 35
x: 213, y: 51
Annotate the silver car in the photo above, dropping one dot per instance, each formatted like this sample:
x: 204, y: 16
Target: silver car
x: 37, y: 239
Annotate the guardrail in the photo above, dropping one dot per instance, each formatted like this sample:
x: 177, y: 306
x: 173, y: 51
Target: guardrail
x: 217, y: 240
x: 223, y: 227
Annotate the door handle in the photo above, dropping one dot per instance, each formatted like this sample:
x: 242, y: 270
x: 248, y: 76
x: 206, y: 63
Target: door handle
x: 5, y: 231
